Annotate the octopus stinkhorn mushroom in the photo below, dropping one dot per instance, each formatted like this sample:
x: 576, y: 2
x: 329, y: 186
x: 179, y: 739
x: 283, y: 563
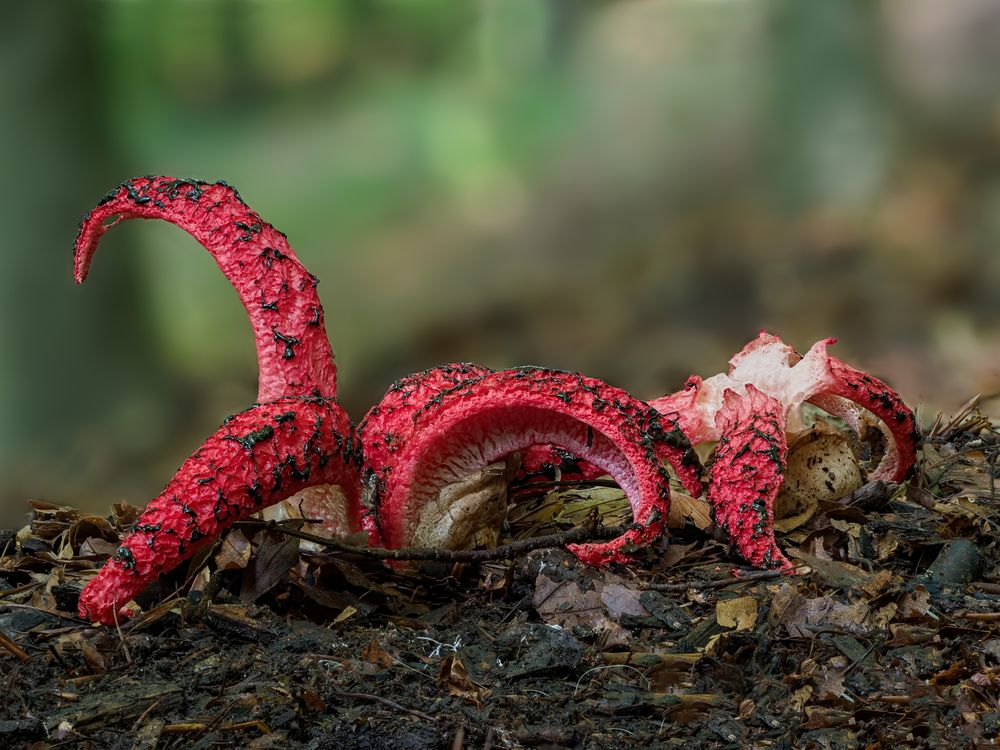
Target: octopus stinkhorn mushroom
x: 427, y: 431
x: 750, y: 409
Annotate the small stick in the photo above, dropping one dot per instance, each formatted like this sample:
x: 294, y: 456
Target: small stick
x: 568, y: 483
x: 978, y: 616
x: 503, y: 552
x: 201, y: 726
x: 753, y: 575
x: 964, y: 411
x: 9, y: 645
x: 386, y: 701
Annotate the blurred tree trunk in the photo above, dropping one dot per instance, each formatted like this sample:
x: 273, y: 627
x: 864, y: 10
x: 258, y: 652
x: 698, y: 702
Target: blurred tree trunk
x: 59, y: 158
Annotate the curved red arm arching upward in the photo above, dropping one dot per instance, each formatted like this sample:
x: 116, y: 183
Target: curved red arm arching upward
x: 279, y: 294
x: 257, y: 458
x: 296, y: 437
x: 436, y: 427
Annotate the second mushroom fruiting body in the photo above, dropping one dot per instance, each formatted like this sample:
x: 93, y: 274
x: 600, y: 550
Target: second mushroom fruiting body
x: 751, y: 412
x: 752, y: 408
x: 430, y: 428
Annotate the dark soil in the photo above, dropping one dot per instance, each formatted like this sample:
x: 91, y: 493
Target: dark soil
x: 889, y: 637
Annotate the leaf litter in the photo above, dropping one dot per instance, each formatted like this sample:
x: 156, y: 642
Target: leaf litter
x: 888, y: 635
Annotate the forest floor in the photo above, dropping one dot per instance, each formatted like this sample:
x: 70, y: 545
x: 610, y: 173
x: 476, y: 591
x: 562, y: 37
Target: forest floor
x: 888, y: 635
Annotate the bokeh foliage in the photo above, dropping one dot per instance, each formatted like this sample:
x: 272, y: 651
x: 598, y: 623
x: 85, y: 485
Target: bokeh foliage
x: 631, y: 189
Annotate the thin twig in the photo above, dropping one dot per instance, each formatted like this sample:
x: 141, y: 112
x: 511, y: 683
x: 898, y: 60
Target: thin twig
x: 750, y: 576
x: 965, y: 410
x: 9, y: 645
x: 387, y: 702
x: 567, y: 483
x: 503, y: 552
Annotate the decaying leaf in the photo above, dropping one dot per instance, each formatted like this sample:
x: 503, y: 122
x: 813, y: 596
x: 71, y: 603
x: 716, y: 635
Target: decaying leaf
x: 576, y: 597
x: 275, y: 557
x: 455, y: 677
x: 686, y: 509
x: 468, y: 513
x: 234, y: 551
x: 739, y: 614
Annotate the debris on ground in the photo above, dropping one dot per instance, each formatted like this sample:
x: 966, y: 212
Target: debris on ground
x: 887, y: 635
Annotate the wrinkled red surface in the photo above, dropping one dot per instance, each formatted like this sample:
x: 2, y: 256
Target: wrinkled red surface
x: 258, y: 457
x: 878, y: 398
x: 297, y: 436
x: 279, y: 294
x: 747, y: 473
x: 438, y: 426
x: 768, y: 380
x: 549, y: 463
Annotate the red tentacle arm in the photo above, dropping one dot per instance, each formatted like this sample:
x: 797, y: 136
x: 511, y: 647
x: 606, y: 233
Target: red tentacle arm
x: 297, y: 437
x: 434, y: 428
x: 899, y: 424
x: 279, y: 294
x: 547, y: 462
x: 747, y: 473
x: 257, y: 458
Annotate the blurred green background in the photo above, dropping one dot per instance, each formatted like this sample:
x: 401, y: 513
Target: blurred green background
x: 630, y: 189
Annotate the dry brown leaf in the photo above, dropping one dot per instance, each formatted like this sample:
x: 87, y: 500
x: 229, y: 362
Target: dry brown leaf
x: 916, y: 603
x: 884, y: 615
x: 621, y: 600
x: 833, y: 572
x: 790, y: 523
x: 886, y: 547
x: 823, y: 613
x: 684, y: 508
x: 234, y: 552
x: 740, y: 613
x: 124, y: 514
x: 201, y: 579
x: 373, y: 653
x: 455, y: 677
x: 610, y: 504
x: 345, y: 614
x: 800, y: 697
x: 904, y: 634
x: 468, y: 513
x: 877, y: 583
x: 566, y: 604
x: 96, y: 547
x: 830, y: 681
x: 276, y: 555
x: 674, y: 553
